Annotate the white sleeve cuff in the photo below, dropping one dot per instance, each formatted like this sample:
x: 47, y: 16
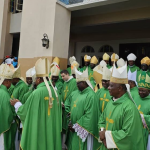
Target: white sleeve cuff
x: 109, y: 140
x: 17, y: 105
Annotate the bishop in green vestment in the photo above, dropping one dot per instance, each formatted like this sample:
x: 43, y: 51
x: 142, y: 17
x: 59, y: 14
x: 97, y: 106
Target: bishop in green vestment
x: 120, y: 120
x: 142, y: 101
x: 7, y: 123
x: 103, y: 93
x: 69, y: 86
x: 131, y: 63
x: 82, y: 105
x: 40, y: 115
x: 106, y: 58
x: 20, y: 89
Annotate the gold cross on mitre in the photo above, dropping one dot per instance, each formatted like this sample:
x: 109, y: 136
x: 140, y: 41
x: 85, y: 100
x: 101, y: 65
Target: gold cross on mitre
x: 104, y: 100
x: 49, y: 107
x: 108, y: 120
x: 66, y: 91
x: 139, y: 107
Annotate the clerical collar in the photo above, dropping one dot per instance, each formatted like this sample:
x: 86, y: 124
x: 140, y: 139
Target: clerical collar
x: 115, y: 99
x: 69, y: 79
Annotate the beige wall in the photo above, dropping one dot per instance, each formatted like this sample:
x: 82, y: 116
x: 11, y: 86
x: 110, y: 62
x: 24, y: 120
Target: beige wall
x: 47, y: 17
x: 5, y: 37
x: 112, y: 17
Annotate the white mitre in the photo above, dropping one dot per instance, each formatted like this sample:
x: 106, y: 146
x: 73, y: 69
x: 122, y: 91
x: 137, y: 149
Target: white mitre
x: 131, y: 57
x: 72, y: 59
x: 132, y: 76
x: 103, y: 63
x: 83, y: 77
x: 55, y: 70
x: 119, y: 75
x: 5, y: 73
x: 28, y: 73
x: 120, y: 63
x: 106, y: 73
x: 74, y: 65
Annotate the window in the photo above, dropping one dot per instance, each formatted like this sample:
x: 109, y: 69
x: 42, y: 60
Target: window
x: 88, y: 49
x: 106, y: 48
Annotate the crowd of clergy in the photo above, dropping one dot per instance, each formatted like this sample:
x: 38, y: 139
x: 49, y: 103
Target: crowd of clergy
x: 97, y: 107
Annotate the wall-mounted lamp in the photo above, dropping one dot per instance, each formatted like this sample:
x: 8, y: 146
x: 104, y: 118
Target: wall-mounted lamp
x: 45, y: 41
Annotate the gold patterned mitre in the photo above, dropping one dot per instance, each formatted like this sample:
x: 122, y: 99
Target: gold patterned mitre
x: 106, y: 73
x: 145, y: 60
x: 120, y: 63
x: 5, y: 72
x: 106, y: 56
x: 72, y: 59
x: 74, y: 65
x: 131, y: 57
x: 94, y: 60
x: 17, y: 73
x: 42, y: 67
x: 114, y: 57
x: 119, y: 75
x: 87, y: 58
x: 56, y: 60
x: 97, y: 75
x: 55, y: 70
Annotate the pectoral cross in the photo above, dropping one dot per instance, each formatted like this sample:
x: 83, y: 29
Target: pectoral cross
x: 104, y: 100
x: 108, y: 120
x: 139, y: 107
x: 66, y: 91
x: 47, y: 99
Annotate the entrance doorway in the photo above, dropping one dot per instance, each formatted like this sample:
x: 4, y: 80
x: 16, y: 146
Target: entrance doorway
x: 139, y: 49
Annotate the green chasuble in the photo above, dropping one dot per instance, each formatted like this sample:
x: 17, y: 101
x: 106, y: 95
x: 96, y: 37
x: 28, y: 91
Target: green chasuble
x: 83, y: 68
x: 69, y: 70
x: 108, y: 66
x: 133, y: 68
x: 67, y: 89
x: 20, y: 89
x: 143, y: 105
x: 41, y: 124
x: 122, y: 118
x: 59, y: 86
x: 104, y: 97
x: 134, y: 92
x: 6, y: 119
x: 84, y: 110
x: 26, y: 95
x: 11, y: 89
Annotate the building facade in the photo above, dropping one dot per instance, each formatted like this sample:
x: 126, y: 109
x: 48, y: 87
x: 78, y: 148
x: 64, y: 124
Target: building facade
x: 74, y: 27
